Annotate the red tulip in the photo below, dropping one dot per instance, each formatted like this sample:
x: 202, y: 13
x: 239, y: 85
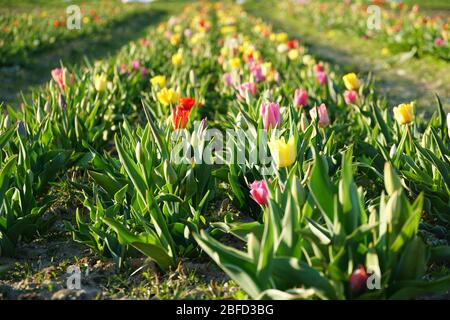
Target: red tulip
x: 180, y: 115
x: 319, y: 68
x: 358, y: 280
x: 292, y: 44
x: 180, y: 118
x: 186, y: 103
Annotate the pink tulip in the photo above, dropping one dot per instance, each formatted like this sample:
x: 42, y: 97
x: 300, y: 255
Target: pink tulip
x: 168, y: 34
x: 350, y: 96
x: 301, y: 98
x: 270, y: 112
x: 58, y: 76
x: 259, y: 192
x: 123, y: 68
x: 136, y: 64
x: 228, y: 79
x: 277, y: 76
x: 257, y: 72
x: 248, y: 88
x: 187, y: 33
x: 439, y: 42
x: 321, y: 77
x: 145, y: 42
x: 323, y: 115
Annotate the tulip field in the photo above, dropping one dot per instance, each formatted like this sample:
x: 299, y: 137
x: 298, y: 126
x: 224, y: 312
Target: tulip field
x: 218, y: 157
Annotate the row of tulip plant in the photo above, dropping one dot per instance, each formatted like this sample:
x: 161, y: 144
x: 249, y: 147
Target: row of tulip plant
x: 336, y: 214
x: 24, y: 32
x: 402, y: 28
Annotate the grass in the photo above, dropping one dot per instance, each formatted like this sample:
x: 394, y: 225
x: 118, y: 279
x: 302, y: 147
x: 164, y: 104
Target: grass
x: 23, y: 79
x: 400, y: 81
x: 424, y: 4
x: 430, y: 4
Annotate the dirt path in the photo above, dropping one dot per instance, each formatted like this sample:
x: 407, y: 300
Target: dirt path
x: 399, y: 78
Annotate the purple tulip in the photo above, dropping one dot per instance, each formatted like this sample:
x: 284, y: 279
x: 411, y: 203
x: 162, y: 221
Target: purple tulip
x: 257, y: 72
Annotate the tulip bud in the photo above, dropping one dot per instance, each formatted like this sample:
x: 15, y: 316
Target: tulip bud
x: 139, y: 153
x: 448, y: 124
x: 6, y: 122
x: 358, y: 280
x: 62, y: 102
x: 21, y: 128
x: 393, y: 151
x: 39, y: 114
x: 303, y: 122
x: 169, y: 173
x: 47, y: 107
x: 192, y: 78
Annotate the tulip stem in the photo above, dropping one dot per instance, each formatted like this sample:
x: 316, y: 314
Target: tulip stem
x: 410, y: 140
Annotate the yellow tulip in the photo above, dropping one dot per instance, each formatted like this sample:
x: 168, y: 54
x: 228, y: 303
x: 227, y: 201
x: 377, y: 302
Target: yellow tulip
x: 404, y: 113
x: 293, y: 54
x: 175, y: 39
x: 385, y: 52
x: 177, y: 59
x: 167, y: 96
x: 308, y: 60
x: 351, y: 81
x: 100, y: 81
x: 235, y: 63
x: 266, y: 68
x: 284, y: 154
x: 160, y: 81
x: 281, y: 37
x: 227, y: 29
